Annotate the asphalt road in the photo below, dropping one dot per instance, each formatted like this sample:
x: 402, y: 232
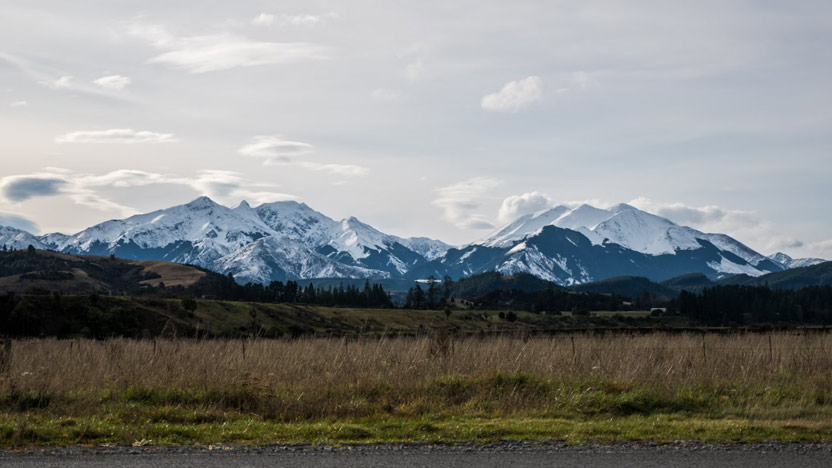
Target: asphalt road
x: 772, y: 455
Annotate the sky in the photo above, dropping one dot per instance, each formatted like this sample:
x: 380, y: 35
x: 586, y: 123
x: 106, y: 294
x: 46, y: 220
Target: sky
x: 440, y: 118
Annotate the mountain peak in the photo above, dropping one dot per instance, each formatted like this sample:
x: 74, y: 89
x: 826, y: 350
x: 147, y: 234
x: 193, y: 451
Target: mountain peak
x: 780, y: 257
x: 285, y: 205
x: 622, y: 207
x: 788, y: 262
x: 201, y: 203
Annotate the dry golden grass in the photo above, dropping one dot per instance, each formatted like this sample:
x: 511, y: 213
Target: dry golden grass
x: 658, y: 360
x: 172, y: 274
x: 780, y: 385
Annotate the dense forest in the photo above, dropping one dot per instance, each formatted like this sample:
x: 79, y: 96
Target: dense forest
x: 226, y: 288
x: 742, y: 305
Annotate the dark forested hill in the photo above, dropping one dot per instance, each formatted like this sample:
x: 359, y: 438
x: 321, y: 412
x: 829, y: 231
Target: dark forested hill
x: 693, y: 282
x: 628, y: 286
x: 484, y: 283
x: 796, y: 278
x: 38, y: 271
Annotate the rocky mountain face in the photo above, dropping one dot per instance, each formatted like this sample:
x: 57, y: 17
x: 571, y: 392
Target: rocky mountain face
x: 584, y: 244
x: 289, y: 240
x: 788, y: 262
x: 274, y: 241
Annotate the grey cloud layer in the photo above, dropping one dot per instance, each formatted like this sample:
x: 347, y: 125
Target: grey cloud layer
x: 21, y: 188
x: 84, y: 189
x: 19, y: 222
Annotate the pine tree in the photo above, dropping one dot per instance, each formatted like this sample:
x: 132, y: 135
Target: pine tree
x: 433, y: 292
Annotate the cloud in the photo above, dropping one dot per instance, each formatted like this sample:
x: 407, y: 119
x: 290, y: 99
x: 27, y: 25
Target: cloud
x: 515, y: 95
x: 785, y: 243
x: 115, y: 82
x: 275, y: 148
x: 45, y: 76
x: 267, y: 19
x: 263, y: 19
x: 388, y: 95
x: 460, y: 202
x: 18, y: 104
x: 584, y: 80
x: 349, y: 170
x: 228, y: 186
x: 202, y: 54
x: 154, y: 34
x: 746, y: 226
x: 707, y: 217
x: 116, y: 135
x: 123, y: 178
x: 278, y: 151
x: 415, y: 71
x: 64, y: 82
x: 84, y: 189
x: 518, y: 205
x: 823, y: 248
x: 19, y: 188
x: 19, y: 222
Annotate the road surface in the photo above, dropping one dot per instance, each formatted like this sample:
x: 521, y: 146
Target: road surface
x: 494, y: 456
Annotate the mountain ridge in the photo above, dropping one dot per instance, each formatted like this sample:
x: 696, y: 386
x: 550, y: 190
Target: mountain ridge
x: 289, y: 240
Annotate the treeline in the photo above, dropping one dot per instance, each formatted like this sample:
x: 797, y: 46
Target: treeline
x: 742, y: 305
x: 435, y: 295
x: 521, y: 291
x: 224, y: 287
x: 554, y: 301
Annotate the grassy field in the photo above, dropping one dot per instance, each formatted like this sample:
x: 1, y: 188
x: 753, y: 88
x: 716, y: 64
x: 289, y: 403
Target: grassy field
x: 69, y: 316
x: 574, y: 388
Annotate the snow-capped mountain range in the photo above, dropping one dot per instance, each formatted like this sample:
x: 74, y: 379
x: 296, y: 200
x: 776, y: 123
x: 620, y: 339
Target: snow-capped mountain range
x: 274, y: 241
x: 290, y: 240
x: 789, y: 262
x: 583, y: 244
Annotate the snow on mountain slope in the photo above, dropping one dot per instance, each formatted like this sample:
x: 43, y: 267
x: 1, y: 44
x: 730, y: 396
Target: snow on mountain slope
x: 202, y: 222
x: 297, y: 221
x: 582, y: 216
x: 351, y: 237
x: 646, y: 233
x: 732, y: 245
x: 290, y: 240
x: 624, y: 225
x: 213, y: 236
x: 270, y: 258
x: 17, y: 239
x: 628, y: 227
x: 523, y: 226
x: 356, y: 238
x: 53, y: 240
x: 788, y: 262
x: 431, y: 249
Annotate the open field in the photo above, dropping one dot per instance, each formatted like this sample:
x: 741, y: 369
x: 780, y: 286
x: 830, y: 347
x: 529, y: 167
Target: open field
x: 664, y: 387
x: 70, y: 316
